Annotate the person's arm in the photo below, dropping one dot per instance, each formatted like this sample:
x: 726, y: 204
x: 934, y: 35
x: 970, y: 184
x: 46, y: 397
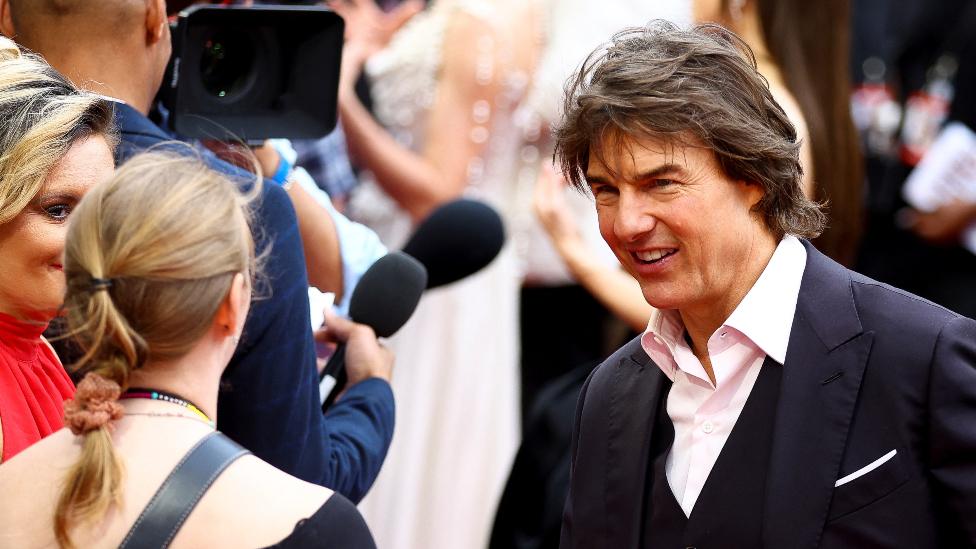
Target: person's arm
x: 320, y: 241
x: 359, y: 245
x: 420, y: 182
x: 363, y: 416
x: 793, y: 111
x: 617, y: 290
x: 360, y: 427
x: 808, y: 183
x: 944, y: 225
x: 952, y: 424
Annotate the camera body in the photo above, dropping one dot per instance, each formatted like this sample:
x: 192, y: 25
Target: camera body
x: 252, y: 73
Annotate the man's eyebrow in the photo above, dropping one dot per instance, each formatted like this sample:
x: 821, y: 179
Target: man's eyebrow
x: 664, y: 169
x: 596, y: 179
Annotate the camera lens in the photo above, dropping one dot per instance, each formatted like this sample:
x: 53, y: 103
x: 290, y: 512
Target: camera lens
x: 226, y: 64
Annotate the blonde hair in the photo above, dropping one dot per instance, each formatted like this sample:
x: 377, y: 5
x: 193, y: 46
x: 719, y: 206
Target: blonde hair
x: 169, y: 234
x: 43, y: 115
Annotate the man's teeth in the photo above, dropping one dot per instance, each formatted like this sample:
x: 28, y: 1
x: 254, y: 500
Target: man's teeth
x: 654, y: 255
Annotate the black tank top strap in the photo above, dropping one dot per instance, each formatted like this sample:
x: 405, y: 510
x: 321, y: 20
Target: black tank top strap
x: 179, y: 494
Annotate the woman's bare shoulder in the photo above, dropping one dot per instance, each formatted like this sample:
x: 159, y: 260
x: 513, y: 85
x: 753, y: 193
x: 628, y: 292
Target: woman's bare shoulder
x: 52, y: 455
x: 251, y: 504
x: 30, y: 484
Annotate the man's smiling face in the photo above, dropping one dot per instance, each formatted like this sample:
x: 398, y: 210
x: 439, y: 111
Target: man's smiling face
x: 676, y: 221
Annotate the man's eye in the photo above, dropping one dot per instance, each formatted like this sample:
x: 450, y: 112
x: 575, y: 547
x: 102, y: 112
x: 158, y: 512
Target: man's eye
x: 58, y: 212
x: 660, y: 183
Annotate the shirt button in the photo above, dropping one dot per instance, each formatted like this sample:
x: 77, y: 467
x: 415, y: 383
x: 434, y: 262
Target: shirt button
x: 708, y: 427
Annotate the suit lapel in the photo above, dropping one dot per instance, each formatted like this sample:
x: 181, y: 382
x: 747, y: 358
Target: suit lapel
x: 630, y: 424
x: 822, y: 375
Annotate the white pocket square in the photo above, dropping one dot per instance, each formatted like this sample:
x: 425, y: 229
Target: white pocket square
x: 866, y: 469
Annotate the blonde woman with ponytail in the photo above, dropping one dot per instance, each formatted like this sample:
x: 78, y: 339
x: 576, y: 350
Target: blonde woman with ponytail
x: 55, y: 143
x: 159, y: 264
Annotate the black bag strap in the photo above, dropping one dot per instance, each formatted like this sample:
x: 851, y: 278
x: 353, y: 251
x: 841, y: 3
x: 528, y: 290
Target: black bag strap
x: 181, y: 491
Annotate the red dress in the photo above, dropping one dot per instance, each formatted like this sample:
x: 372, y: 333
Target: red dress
x: 33, y: 386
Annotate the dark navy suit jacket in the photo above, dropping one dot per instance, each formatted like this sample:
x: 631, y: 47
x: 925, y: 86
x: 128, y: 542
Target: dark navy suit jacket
x: 869, y: 369
x: 269, y: 400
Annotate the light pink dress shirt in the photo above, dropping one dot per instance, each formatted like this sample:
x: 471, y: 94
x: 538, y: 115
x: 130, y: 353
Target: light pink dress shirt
x: 704, y: 414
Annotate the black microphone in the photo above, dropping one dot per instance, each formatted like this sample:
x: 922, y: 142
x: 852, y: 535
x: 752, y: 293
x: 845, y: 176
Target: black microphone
x: 384, y: 299
x: 456, y: 240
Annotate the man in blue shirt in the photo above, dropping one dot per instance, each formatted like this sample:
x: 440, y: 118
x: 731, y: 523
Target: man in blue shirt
x: 269, y: 401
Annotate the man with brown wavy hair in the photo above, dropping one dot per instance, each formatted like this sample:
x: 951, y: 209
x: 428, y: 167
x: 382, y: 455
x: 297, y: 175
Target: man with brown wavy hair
x: 776, y: 399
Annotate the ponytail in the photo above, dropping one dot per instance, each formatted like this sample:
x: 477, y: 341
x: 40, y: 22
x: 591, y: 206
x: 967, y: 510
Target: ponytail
x: 112, y: 350
x: 95, y: 481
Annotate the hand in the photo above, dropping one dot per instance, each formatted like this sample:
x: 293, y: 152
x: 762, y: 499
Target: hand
x: 553, y: 212
x: 268, y: 158
x: 368, y: 30
x: 366, y: 357
x: 943, y: 225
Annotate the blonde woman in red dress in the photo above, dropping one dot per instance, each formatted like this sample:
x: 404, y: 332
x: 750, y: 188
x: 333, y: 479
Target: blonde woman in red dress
x: 55, y: 143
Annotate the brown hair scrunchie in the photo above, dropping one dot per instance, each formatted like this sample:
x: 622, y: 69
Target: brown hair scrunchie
x: 95, y: 404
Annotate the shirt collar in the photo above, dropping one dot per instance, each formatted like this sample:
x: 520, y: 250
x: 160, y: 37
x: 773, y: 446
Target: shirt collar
x: 765, y: 314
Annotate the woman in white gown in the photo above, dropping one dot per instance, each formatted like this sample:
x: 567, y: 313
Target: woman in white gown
x: 445, y: 92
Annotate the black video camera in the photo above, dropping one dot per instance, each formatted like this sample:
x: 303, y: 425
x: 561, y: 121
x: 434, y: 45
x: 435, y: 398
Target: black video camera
x: 253, y: 73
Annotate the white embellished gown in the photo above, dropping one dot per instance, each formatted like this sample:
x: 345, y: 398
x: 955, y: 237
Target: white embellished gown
x: 456, y: 373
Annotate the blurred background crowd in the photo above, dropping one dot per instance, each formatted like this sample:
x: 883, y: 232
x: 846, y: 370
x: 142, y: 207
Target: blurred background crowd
x: 453, y: 99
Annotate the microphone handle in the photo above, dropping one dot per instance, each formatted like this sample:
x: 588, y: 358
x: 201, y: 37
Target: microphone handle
x: 335, y: 369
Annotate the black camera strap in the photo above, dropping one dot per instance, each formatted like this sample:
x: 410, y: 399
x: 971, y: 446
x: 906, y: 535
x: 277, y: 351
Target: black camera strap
x: 181, y: 491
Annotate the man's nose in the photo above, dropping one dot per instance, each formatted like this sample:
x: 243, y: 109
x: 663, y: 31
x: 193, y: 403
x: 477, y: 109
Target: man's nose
x: 635, y: 217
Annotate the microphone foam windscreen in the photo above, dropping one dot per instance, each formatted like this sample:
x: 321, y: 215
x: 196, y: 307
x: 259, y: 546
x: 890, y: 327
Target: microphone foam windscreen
x: 388, y: 292
x: 456, y: 240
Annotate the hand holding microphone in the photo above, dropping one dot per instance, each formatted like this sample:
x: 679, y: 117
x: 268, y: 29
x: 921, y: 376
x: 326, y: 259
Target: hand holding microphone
x: 365, y: 356
x: 381, y: 303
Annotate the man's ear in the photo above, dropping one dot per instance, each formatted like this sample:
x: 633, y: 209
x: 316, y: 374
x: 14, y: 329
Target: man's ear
x: 156, y: 20
x: 7, y: 20
x: 753, y: 192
